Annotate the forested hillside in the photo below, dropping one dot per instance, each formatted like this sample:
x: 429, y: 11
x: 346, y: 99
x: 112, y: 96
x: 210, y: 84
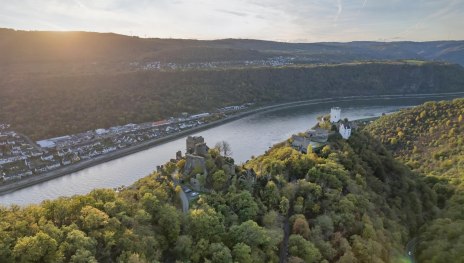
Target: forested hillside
x: 430, y: 139
x: 352, y: 202
x: 43, y: 106
x: 57, y: 83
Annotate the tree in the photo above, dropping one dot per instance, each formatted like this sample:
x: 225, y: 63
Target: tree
x: 242, y: 253
x: 301, y: 227
x: 249, y: 233
x: 326, y: 150
x: 284, y: 205
x: 75, y: 241
x: 93, y: 218
x: 224, y: 147
x: 205, y: 223
x: 219, y: 180
x: 299, y: 247
x: 309, y: 150
x: 220, y: 253
x: 243, y: 205
x: 38, y: 248
x: 270, y: 194
x: 180, y: 165
x: 83, y: 256
x: 169, y: 222
x: 183, y: 248
x: 270, y: 219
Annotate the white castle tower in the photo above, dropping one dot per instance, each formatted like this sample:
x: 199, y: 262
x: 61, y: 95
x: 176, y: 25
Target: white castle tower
x: 335, y: 114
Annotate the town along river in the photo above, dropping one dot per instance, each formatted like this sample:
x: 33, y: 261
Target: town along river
x: 248, y: 136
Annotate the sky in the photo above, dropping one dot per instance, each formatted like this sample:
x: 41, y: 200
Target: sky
x: 280, y: 20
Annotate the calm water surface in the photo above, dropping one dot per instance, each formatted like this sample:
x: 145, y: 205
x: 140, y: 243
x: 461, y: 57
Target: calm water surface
x: 248, y: 136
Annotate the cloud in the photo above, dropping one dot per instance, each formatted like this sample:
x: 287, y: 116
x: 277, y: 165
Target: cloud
x: 339, y: 10
x: 290, y: 20
x: 232, y: 12
x: 423, y: 21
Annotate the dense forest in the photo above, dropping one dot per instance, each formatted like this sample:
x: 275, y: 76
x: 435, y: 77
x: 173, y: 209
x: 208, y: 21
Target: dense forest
x: 430, y: 140
x: 350, y: 202
x: 43, y: 106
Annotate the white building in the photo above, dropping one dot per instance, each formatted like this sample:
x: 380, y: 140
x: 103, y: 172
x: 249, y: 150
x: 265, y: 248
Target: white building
x: 100, y: 131
x: 335, y: 113
x: 345, y: 131
x: 201, y: 115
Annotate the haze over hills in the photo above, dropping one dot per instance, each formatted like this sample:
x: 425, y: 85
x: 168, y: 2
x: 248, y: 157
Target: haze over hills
x: 37, y: 46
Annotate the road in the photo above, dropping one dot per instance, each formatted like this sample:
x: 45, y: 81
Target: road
x: 283, y: 255
x: 411, y: 249
x: 31, y: 142
x: 185, y: 201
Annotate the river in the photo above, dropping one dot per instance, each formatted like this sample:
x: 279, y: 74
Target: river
x: 248, y: 136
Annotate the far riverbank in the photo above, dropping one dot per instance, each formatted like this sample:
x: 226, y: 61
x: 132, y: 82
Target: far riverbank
x: 11, y: 187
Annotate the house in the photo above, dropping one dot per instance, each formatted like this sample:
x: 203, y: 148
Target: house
x: 36, y: 154
x: 110, y: 149
x: 300, y: 143
x: 160, y: 123
x: 46, y: 144
x: 101, y: 131
x: 11, y: 177
x: 345, y: 130
x: 318, y: 135
x: 53, y: 165
x: 201, y: 115
x: 47, y: 157
x: 41, y: 169
x: 63, y: 152
x: 230, y: 108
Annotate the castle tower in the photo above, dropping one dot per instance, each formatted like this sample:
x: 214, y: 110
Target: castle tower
x: 335, y: 113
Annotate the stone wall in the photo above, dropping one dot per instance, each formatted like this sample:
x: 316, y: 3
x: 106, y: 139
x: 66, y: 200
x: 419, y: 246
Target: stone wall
x: 194, y: 162
x: 192, y: 141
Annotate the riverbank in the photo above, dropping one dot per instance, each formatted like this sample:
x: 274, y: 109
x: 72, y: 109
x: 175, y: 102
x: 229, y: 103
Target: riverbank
x: 9, y: 188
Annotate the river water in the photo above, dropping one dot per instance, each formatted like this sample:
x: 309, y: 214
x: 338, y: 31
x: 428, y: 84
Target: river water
x: 249, y: 136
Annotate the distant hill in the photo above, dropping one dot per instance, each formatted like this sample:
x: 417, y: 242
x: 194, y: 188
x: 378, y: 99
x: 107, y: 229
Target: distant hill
x: 56, y: 83
x: 37, y: 46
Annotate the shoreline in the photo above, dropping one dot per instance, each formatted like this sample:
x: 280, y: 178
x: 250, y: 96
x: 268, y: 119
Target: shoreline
x: 33, y: 180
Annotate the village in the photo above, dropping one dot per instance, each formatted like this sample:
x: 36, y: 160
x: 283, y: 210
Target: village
x: 162, y: 66
x: 20, y: 157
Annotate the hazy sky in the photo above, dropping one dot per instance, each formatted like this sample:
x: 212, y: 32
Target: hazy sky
x: 283, y: 20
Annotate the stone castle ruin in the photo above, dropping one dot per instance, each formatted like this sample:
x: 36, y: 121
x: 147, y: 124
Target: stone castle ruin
x: 196, y: 151
x: 196, y: 145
